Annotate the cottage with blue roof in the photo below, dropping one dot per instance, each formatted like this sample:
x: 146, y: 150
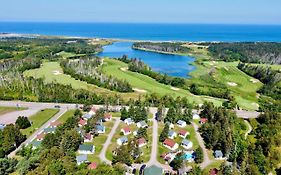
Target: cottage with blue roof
x: 100, y: 129
x: 87, y: 116
x: 218, y: 154
x: 142, y: 124
x: 181, y: 123
x: 86, y: 149
x: 172, y: 134
x: 49, y: 130
x: 122, y: 140
x: 35, y: 144
x: 2, y: 126
x: 186, y: 144
x: 81, y: 159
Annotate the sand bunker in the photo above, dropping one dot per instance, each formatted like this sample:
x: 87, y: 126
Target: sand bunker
x: 175, y: 89
x: 124, y: 69
x: 56, y: 72
x: 231, y: 84
x: 139, y: 90
x: 253, y: 81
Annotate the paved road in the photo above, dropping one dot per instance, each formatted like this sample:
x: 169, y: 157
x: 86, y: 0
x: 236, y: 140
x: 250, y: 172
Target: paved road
x: 11, y: 117
x: 108, y: 141
x: 207, y: 161
x: 38, y: 131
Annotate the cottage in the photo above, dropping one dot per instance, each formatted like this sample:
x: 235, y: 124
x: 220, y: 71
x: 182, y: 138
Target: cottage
x: 128, y: 121
x: 135, y: 133
x: 81, y: 159
x: 142, y: 124
x: 126, y: 131
x: 93, y: 111
x: 195, y: 117
x: 218, y: 154
x: 40, y: 136
x: 183, y: 133
x: 186, y: 144
x: 170, y: 144
x: 203, y: 120
x: 141, y: 142
x: 107, y: 117
x: 92, y: 166
x: 49, y: 130
x: 86, y: 149
x: 55, y: 124
x: 87, y: 116
x: 2, y: 126
x: 122, y: 140
x: 100, y: 129
x: 181, y: 123
x: 213, y: 171
x: 88, y: 137
x: 153, y: 170
x: 82, y: 122
x: 172, y: 134
x: 171, y: 125
x: 35, y: 144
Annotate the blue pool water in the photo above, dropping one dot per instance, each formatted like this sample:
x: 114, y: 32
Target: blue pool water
x: 173, y: 65
x: 187, y: 156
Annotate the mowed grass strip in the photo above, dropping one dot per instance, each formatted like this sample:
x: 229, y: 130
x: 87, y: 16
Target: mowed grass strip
x: 66, y: 115
x: 5, y: 110
x: 39, y: 119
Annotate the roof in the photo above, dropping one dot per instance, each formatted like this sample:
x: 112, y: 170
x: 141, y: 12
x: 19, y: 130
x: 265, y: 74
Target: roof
x: 36, y: 143
x: 203, y: 120
x: 55, y: 123
x: 85, y: 147
x: 141, y: 141
x: 87, y: 116
x: 169, y: 142
x: 171, y: 133
x: 94, y: 109
x: 100, y: 127
x: 41, y: 136
x: 81, y: 158
x: 218, y: 153
x: 82, y: 122
x: 48, y: 130
x: 107, y: 115
x: 88, y: 136
x: 123, y: 139
x: 183, y: 132
x: 126, y: 129
x: 185, y: 142
x: 128, y: 120
x: 2, y: 126
x: 92, y: 166
x: 142, y: 123
x: 181, y: 122
x: 153, y: 170
x: 213, y: 171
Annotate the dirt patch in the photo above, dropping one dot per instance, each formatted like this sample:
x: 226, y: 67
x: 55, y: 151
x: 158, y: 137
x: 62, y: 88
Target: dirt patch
x: 56, y: 72
x: 175, y: 89
x: 231, y: 84
x: 139, y: 90
x: 253, y: 81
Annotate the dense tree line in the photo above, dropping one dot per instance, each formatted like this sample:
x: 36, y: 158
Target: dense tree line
x: 22, y: 65
x: 249, y: 52
x: 210, y: 91
x: 162, y: 47
x: 137, y: 112
x: 86, y: 69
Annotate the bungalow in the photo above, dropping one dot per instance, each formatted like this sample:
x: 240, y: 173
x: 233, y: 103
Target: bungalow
x: 126, y: 131
x: 128, y: 121
x: 49, y: 130
x: 100, y: 129
x: 213, y: 171
x: 172, y: 134
x: 87, y: 116
x: 107, y: 117
x: 40, y: 136
x: 81, y: 159
x: 181, y: 123
x: 122, y: 140
x: 141, y: 142
x: 88, y: 137
x: 35, y: 144
x: 183, y: 133
x: 86, y: 149
x: 153, y: 170
x: 186, y: 144
x: 55, y: 124
x: 82, y: 122
x: 93, y: 111
x: 142, y: 124
x: 203, y: 120
x: 170, y: 144
x: 195, y: 117
x: 2, y: 126
x: 218, y: 154
x: 92, y: 166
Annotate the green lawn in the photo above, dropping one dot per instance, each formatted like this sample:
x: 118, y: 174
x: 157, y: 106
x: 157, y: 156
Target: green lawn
x: 39, y: 119
x: 64, y: 54
x: 66, y: 115
x: 5, y: 110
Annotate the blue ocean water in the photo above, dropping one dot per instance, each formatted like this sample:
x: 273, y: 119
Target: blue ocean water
x: 173, y: 65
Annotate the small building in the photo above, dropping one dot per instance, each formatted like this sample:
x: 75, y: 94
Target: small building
x: 153, y: 170
x: 213, y: 171
x: 40, y: 136
x: 86, y: 149
x: 107, y: 117
x: 81, y: 159
x: 82, y: 122
x: 135, y: 133
x: 2, y: 126
x: 218, y: 154
x: 35, y: 144
x: 49, y: 130
x: 203, y: 121
x: 92, y: 166
x: 93, y: 111
x: 141, y: 142
x: 126, y: 131
x: 128, y: 121
x: 172, y: 134
x: 183, y: 133
x: 142, y: 124
x: 87, y: 116
x: 186, y: 144
x: 55, y: 124
x: 195, y: 117
x: 170, y: 144
x: 88, y: 137
x: 171, y: 125
x: 122, y: 140
x: 100, y: 129
x: 181, y: 123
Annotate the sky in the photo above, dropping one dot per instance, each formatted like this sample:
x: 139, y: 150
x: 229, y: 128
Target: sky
x: 144, y: 11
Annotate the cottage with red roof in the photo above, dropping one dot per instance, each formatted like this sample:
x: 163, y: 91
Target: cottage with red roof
x: 93, y: 111
x: 126, y: 131
x: 55, y: 124
x: 203, y: 120
x: 183, y: 133
x: 213, y: 171
x: 40, y: 136
x: 82, y: 122
x: 170, y: 144
x: 92, y: 166
x: 107, y: 117
x: 88, y: 137
x: 141, y: 142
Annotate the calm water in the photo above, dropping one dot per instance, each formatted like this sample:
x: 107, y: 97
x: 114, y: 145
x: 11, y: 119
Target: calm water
x: 174, y: 65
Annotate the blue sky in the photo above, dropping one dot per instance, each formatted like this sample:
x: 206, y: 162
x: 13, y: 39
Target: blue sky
x: 144, y: 11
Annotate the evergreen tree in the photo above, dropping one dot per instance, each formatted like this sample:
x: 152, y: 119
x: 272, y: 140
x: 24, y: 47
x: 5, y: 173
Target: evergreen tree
x: 164, y: 133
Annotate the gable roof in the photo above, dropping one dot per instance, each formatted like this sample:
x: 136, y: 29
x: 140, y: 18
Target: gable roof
x: 171, y: 133
x: 35, y: 143
x: 123, y: 139
x: 55, y: 123
x: 92, y: 166
x: 100, y: 127
x: 126, y: 129
x: 183, y: 132
x: 82, y: 122
x: 82, y: 158
x: 153, y: 170
x: 141, y: 141
x: 169, y: 142
x: 185, y: 142
x: 85, y: 147
x: 218, y: 153
x: 2, y: 126
x: 49, y: 130
x: 107, y: 116
x: 88, y: 136
x: 41, y: 136
x: 142, y: 123
x: 87, y: 116
x: 203, y: 120
x: 181, y: 122
x: 128, y: 120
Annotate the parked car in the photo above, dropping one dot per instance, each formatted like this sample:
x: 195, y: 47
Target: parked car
x: 142, y: 168
x: 57, y: 106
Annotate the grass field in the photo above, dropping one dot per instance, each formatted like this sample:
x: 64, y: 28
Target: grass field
x: 39, y: 119
x: 5, y: 110
x: 66, y: 115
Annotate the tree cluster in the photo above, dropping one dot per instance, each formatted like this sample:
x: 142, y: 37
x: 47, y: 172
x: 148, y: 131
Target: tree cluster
x: 136, y: 112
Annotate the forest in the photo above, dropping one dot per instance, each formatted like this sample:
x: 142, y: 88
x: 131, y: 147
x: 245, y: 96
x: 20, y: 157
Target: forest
x: 162, y: 47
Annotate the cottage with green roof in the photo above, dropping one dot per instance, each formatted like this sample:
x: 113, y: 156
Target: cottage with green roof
x: 153, y: 170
